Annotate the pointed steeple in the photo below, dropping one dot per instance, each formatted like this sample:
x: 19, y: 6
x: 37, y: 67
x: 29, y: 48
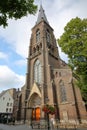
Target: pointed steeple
x: 41, y: 16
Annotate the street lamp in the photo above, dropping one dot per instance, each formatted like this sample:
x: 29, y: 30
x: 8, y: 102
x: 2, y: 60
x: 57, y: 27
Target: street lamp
x: 25, y: 111
x: 48, y: 122
x: 48, y: 109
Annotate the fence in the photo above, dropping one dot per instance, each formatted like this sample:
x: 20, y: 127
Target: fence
x: 57, y: 125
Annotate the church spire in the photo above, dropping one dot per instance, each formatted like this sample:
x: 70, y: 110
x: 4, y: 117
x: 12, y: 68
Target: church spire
x: 41, y: 16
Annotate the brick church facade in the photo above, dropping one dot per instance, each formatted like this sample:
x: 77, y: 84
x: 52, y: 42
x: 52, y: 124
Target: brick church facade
x: 49, y: 78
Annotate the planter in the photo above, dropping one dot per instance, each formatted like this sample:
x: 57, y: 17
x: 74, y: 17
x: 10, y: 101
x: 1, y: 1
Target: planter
x: 49, y: 109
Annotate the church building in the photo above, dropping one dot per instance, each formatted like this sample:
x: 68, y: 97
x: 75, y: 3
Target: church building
x: 49, y: 79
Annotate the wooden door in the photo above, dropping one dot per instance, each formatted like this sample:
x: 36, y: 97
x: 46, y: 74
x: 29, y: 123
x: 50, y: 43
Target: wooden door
x: 36, y: 113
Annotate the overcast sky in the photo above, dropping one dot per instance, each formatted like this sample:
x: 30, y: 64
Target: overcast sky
x: 14, y: 39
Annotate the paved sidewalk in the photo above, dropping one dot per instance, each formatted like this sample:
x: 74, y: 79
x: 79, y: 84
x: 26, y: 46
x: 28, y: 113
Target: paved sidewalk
x: 14, y: 127
x: 27, y: 127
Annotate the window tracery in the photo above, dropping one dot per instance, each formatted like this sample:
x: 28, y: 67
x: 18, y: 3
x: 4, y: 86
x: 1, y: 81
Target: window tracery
x: 63, y: 96
x: 38, y: 36
x: 48, y: 36
x: 37, y: 72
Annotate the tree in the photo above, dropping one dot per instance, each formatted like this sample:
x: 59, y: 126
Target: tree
x: 10, y: 9
x: 74, y: 43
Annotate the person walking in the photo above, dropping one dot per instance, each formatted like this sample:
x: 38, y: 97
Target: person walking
x: 52, y: 123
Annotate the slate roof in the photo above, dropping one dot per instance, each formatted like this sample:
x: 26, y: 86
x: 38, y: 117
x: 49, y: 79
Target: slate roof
x: 41, y: 16
x: 2, y: 93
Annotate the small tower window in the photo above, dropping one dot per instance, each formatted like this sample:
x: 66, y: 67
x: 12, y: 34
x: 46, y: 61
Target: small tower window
x: 60, y: 74
x: 63, y: 97
x: 56, y: 74
x: 34, y: 49
x: 38, y: 36
x: 37, y: 72
x: 48, y: 36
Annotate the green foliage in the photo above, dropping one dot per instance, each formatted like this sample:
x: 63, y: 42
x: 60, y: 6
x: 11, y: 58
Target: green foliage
x: 74, y: 43
x: 83, y: 86
x: 49, y: 109
x: 15, y: 9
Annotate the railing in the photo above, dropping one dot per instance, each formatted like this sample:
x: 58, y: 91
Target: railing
x: 63, y: 125
x: 39, y: 124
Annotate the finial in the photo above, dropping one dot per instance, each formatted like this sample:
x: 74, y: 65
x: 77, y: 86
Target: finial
x: 40, y: 2
x: 41, y: 15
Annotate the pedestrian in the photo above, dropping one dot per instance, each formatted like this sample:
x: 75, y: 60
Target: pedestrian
x: 52, y: 123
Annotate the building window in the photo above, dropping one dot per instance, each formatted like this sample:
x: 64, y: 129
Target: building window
x: 37, y: 72
x: 38, y: 35
x: 6, y: 109
x: 48, y: 36
x: 3, y: 98
x: 63, y: 96
x: 9, y: 109
x: 7, y: 104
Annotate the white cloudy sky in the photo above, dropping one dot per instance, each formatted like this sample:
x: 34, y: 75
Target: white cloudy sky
x: 14, y: 39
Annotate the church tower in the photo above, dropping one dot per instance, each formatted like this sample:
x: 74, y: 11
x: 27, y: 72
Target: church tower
x: 48, y: 77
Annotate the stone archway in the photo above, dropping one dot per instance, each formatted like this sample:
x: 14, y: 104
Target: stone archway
x: 35, y: 104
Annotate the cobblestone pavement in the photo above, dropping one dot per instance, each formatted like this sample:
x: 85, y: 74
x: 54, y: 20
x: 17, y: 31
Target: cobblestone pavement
x: 14, y: 127
x: 27, y: 127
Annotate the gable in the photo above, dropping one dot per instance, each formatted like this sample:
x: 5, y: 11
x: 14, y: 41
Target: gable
x: 34, y: 89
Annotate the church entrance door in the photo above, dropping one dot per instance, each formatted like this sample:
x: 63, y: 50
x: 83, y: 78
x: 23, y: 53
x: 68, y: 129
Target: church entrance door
x: 36, y: 113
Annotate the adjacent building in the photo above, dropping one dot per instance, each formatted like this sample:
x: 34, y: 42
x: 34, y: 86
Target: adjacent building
x: 15, y: 93
x: 10, y: 103
x: 6, y: 104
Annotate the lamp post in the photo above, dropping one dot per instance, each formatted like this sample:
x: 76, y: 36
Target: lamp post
x: 25, y: 111
x: 26, y: 108
x: 48, y: 109
x: 48, y: 122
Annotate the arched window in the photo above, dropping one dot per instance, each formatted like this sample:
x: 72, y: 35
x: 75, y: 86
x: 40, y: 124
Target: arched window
x: 37, y: 72
x: 48, y: 36
x: 38, y: 35
x: 63, y: 96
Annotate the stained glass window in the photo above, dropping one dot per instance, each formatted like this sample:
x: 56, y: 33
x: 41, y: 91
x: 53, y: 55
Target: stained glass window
x: 37, y: 72
x: 63, y: 96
